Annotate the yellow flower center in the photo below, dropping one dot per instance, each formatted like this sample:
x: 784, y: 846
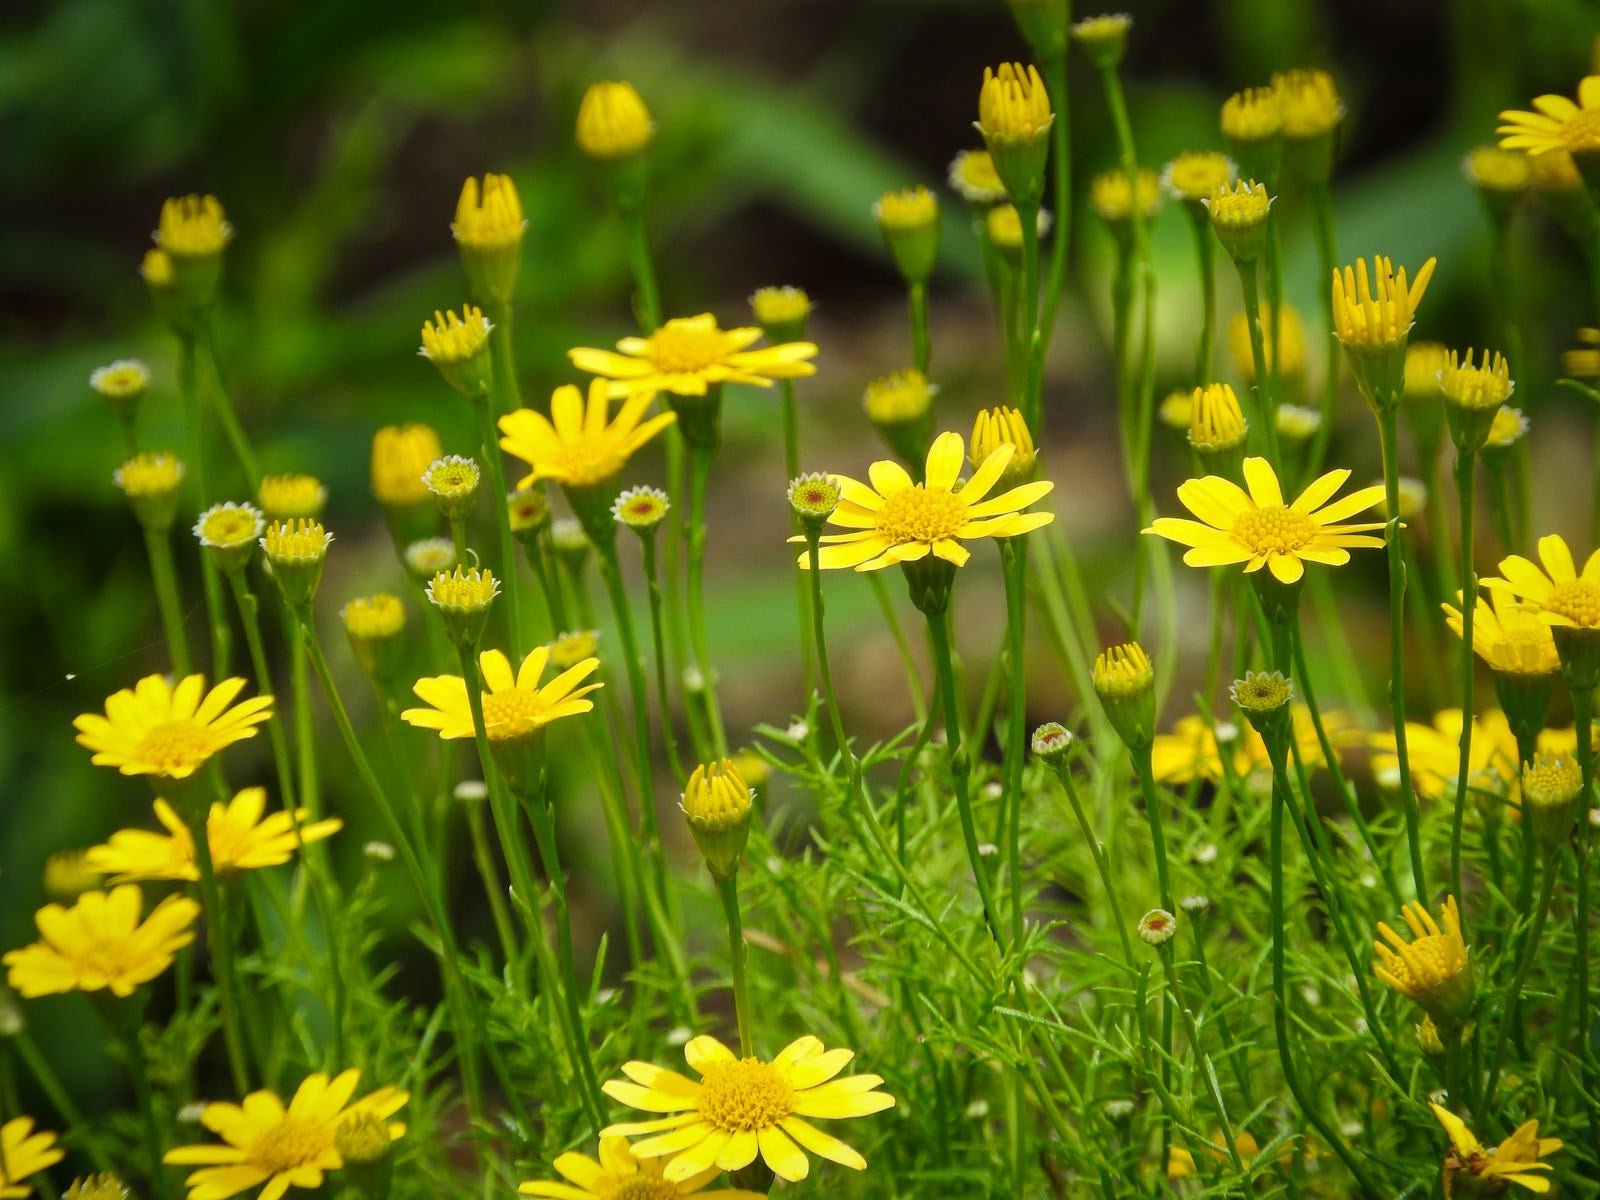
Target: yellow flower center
x: 289, y: 1144
x: 1578, y: 600
x: 512, y: 713
x: 642, y: 1187
x: 679, y: 350
x: 174, y: 746
x: 1581, y: 133
x: 591, y: 461
x: 229, y: 527
x: 1275, y: 529
x: 1428, y: 962
x: 453, y: 476
x: 916, y: 514
x: 745, y: 1095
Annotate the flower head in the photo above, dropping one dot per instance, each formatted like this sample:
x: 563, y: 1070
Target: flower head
x: 573, y: 647
x: 193, y: 227
x: 463, y: 591
x: 1051, y: 742
x: 515, y: 706
x: 576, y: 445
x: 1474, y: 396
x: 1559, y: 124
x: 1104, y: 38
x: 156, y: 269
x: 23, y: 1153
x: 1508, y: 426
x: 1431, y: 969
x: 1583, y: 361
x: 1003, y: 225
x: 1370, y: 315
x: 812, y: 498
x: 240, y: 837
x: 1559, y: 594
x: 972, y: 176
x: 1124, y: 679
x: 896, y: 520
x: 100, y: 943
x: 1193, y: 175
x: 1551, y: 785
x: 150, y: 476
x: 740, y: 1108
x: 1513, y: 1161
x: 909, y: 222
x: 717, y: 803
x: 123, y: 380
x: 400, y: 454
x: 266, y: 1142
x: 781, y: 312
x: 899, y: 398
x: 1253, y: 115
x: 1433, y: 753
x: 618, y: 1175
x: 374, y: 624
x: 1493, y: 169
x: 996, y: 427
x: 297, y: 550
x: 1258, y: 529
x: 1013, y: 104
x: 688, y: 354
x: 430, y: 556
x: 1239, y: 217
x: 1112, y: 199
x: 613, y: 121
x: 1157, y: 927
x: 459, y: 347
x: 453, y: 483
x: 285, y: 496
x: 103, y: 1186
x: 488, y: 214
x: 1308, y: 101
x: 1508, y: 634
x: 170, y: 732
x: 1216, y: 422
x: 641, y: 508
x: 1261, y: 691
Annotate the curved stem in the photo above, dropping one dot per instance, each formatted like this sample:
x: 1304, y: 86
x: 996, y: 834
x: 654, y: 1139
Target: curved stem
x: 1102, y: 864
x: 659, y: 654
x: 647, y: 299
x: 196, y: 815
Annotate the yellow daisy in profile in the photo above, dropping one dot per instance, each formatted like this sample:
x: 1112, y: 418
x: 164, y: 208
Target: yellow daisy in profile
x: 1558, y: 125
x: 1510, y: 636
x: 515, y: 706
x: 1432, y: 969
x: 618, y: 1175
x: 897, y: 520
x: 744, y: 1107
x: 282, y: 1147
x: 24, y: 1153
x: 1258, y: 529
x: 1512, y: 1161
x: 689, y: 354
x: 239, y: 837
x: 100, y: 943
x: 154, y: 728
x: 576, y: 445
x: 1560, y: 594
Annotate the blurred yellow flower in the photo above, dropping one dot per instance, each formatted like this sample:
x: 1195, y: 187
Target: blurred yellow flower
x: 1559, y: 593
x: 689, y: 354
x: 23, y: 1153
x: 400, y: 454
x: 576, y: 445
x: 156, y: 729
x: 193, y: 227
x: 514, y: 706
x: 1509, y: 635
x: 618, y: 1175
x: 100, y: 943
x: 1432, y: 968
x: 1559, y: 124
x: 613, y: 121
x: 1434, y: 754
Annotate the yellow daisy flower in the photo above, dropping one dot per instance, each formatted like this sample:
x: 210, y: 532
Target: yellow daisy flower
x: 1258, y: 529
x: 1432, y: 969
x: 154, y: 728
x: 513, y: 707
x: 1510, y: 636
x: 1434, y: 753
x: 1560, y: 594
x: 24, y: 1153
x: 1558, y: 125
x: 100, y: 943
x: 1512, y: 1161
x: 281, y: 1147
x: 1191, y: 749
x: 898, y: 521
x: 744, y: 1107
x: 575, y: 445
x: 618, y: 1175
x: 239, y: 837
x: 689, y: 354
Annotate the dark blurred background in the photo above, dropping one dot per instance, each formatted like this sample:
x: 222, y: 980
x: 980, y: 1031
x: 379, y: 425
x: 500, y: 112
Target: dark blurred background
x: 337, y: 135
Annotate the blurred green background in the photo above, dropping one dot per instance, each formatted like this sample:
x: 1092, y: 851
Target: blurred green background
x: 337, y: 135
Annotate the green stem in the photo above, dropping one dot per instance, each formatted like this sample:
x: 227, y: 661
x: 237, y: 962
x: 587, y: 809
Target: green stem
x: 50, y: 1084
x: 1014, y: 560
x: 791, y: 471
x: 483, y: 860
x: 647, y: 300
x: 1206, y: 251
x: 1388, y: 433
x: 502, y: 350
x: 125, y: 1019
x: 1327, y: 263
x: 1055, y: 77
x: 305, y: 742
x: 658, y: 647
x: 921, y: 348
x: 1582, y: 715
x: 1513, y: 994
x: 738, y: 952
x: 229, y: 419
x: 1158, y: 839
x: 960, y: 774
x: 250, y: 618
x: 1101, y: 862
x: 699, y: 477
x: 196, y: 815
x: 158, y: 544
x: 1213, y: 1090
x: 489, y: 452
x: 880, y: 589
x: 1029, y: 343
x: 1466, y: 460
x: 1265, y: 416
x: 829, y: 696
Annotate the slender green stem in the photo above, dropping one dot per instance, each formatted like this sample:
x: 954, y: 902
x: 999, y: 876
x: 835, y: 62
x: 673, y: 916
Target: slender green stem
x: 158, y: 544
x: 489, y: 452
x: 1055, y: 78
x: 738, y: 953
x: 196, y: 815
x: 502, y: 350
x: 1158, y: 838
x: 960, y: 774
x: 1327, y: 263
x: 250, y: 618
x: 1266, y: 407
x: 880, y: 589
x: 647, y: 298
x: 1206, y: 252
x: 1513, y: 993
x: 829, y: 696
x: 921, y: 347
x: 658, y: 648
x: 124, y: 1018
x: 305, y: 738
x: 1582, y: 715
x: 699, y: 477
x: 1014, y: 560
x: 1029, y: 342
x: 1465, y: 462
x: 1213, y: 1090
x: 1102, y: 864
x: 489, y: 873
x: 226, y: 416
x: 791, y: 471
x: 1280, y: 980
x: 1388, y: 432
x: 56, y: 1092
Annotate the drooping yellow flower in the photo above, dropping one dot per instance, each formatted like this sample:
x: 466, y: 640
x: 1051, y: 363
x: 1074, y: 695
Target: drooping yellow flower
x: 1510, y: 636
x: 265, y: 1142
x: 514, y: 706
x: 896, y: 520
x: 618, y: 1175
x: 239, y: 837
x: 613, y: 121
x: 744, y: 1107
x: 99, y: 943
x: 688, y: 354
x: 1258, y: 529
x: 154, y: 728
x: 576, y: 446
x: 23, y: 1153
x: 1369, y: 315
x: 1432, y: 969
x: 1560, y: 595
x: 1558, y: 125
x: 1513, y: 1161
x: 1434, y: 754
